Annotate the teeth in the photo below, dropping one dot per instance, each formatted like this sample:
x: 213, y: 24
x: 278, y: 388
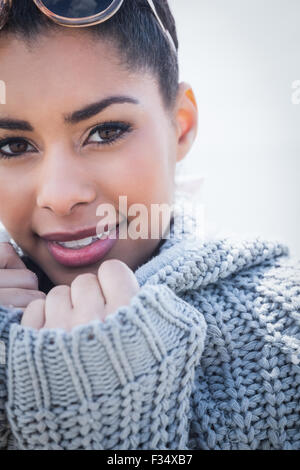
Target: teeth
x: 83, y: 241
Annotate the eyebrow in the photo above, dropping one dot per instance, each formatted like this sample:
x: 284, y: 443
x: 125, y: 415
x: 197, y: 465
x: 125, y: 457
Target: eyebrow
x: 95, y: 108
x: 15, y: 125
x: 77, y: 116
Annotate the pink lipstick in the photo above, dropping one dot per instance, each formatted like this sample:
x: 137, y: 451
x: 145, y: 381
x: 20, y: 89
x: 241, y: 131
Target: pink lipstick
x: 86, y: 255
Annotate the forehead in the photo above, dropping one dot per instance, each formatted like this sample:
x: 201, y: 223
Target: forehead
x: 68, y: 65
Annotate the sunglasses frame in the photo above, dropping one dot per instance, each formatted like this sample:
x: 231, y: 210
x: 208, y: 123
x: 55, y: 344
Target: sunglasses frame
x: 85, y: 21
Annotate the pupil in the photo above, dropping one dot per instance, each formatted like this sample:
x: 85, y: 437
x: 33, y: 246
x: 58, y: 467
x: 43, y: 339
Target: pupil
x: 18, y: 147
x: 108, y: 133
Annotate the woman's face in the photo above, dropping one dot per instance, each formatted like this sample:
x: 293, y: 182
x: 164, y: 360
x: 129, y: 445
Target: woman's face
x: 61, y: 167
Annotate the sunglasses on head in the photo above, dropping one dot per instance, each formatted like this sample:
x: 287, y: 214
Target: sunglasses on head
x: 79, y: 13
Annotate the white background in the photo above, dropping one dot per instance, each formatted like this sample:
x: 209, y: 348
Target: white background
x: 241, y: 58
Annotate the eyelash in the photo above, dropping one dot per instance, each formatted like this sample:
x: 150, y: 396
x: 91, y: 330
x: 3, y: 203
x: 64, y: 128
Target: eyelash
x: 109, y: 125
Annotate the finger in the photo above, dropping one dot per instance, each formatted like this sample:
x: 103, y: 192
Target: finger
x: 34, y: 314
x: 19, y: 297
x: 87, y: 297
x: 9, y: 259
x: 58, y: 308
x: 118, y: 283
x: 22, y: 278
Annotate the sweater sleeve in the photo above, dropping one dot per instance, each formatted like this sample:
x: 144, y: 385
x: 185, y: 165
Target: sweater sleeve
x: 7, y: 318
x: 120, y: 384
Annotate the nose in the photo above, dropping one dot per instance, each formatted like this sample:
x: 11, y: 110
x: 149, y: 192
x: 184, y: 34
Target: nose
x: 64, y: 182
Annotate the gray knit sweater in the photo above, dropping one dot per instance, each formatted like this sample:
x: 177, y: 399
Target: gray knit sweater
x: 206, y: 356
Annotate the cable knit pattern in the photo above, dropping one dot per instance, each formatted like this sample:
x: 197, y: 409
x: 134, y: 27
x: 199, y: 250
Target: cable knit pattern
x: 7, y: 318
x: 206, y: 356
x: 248, y: 385
x: 107, y: 385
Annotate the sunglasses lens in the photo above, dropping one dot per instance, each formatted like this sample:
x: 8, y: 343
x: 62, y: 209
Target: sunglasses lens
x: 77, y: 8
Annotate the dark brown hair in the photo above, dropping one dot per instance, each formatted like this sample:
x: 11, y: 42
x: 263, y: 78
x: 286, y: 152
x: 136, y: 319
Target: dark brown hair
x: 133, y: 30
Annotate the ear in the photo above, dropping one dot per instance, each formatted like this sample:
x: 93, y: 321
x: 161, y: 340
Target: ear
x: 186, y: 119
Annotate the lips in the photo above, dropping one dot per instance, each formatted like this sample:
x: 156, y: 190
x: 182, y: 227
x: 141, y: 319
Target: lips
x: 76, y: 235
x: 85, y: 256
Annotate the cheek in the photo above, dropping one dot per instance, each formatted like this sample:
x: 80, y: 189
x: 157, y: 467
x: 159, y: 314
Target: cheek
x: 148, y: 171
x: 138, y: 169
x: 15, y: 208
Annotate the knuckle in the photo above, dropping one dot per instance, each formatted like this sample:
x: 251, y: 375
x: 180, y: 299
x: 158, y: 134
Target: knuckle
x: 33, y: 279
x: 42, y: 295
x: 116, y: 269
x: 38, y: 295
x: 61, y: 289
x: 112, y: 266
x: 85, y: 277
x: 113, y: 262
x: 37, y: 302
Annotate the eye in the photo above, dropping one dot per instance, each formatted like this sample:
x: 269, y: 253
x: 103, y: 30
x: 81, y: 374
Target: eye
x: 13, y: 147
x: 105, y: 134
x: 108, y: 133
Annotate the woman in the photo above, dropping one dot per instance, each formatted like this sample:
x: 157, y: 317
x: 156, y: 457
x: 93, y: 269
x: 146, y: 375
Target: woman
x: 177, y: 341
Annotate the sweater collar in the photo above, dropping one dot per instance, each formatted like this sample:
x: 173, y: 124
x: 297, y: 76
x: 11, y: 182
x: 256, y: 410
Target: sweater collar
x: 189, y: 259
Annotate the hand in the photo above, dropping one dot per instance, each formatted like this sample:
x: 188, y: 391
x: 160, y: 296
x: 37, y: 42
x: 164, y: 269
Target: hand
x: 18, y: 285
x: 89, y: 297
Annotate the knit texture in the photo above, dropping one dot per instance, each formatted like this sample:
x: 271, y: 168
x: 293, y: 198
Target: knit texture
x: 206, y: 356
